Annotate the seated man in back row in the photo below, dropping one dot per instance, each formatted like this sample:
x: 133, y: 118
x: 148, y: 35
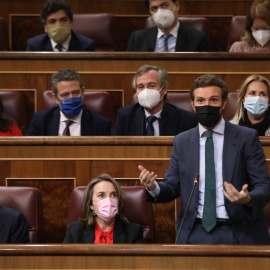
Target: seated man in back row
x: 56, y: 16
x: 169, y: 35
x: 152, y: 116
x: 69, y: 118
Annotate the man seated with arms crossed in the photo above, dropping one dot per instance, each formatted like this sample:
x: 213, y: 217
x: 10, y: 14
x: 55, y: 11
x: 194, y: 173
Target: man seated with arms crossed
x: 56, y: 17
x: 169, y: 35
x: 152, y: 116
x: 13, y: 227
x: 69, y: 118
x: 227, y: 199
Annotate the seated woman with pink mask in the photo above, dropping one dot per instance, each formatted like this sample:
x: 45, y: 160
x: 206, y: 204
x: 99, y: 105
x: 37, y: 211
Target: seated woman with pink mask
x: 104, y: 223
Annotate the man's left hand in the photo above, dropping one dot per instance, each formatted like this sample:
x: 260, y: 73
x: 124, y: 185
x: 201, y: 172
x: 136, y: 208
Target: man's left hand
x: 233, y: 195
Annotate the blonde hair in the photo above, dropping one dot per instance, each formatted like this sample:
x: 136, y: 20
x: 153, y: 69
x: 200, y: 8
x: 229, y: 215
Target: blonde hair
x: 243, y: 90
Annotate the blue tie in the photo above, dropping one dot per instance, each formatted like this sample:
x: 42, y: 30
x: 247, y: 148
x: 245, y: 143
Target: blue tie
x: 150, y: 128
x: 164, y: 43
x: 209, y: 209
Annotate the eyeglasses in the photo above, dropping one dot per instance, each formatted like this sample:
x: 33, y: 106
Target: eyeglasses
x: 260, y: 28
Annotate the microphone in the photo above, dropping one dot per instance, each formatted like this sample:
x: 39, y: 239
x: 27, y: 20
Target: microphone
x: 195, y: 182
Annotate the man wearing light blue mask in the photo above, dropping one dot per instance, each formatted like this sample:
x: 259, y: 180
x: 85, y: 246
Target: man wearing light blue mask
x: 69, y: 118
x: 252, y: 106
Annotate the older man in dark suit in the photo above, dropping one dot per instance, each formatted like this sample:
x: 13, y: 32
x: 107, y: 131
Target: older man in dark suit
x: 152, y: 116
x: 169, y: 35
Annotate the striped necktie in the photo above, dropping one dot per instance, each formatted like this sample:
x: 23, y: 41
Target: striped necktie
x: 164, y: 43
x: 150, y: 128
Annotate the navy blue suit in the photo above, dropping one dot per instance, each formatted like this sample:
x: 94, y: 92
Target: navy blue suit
x: 188, y: 40
x: 123, y: 233
x: 46, y: 123
x: 77, y: 43
x: 13, y: 227
x: 243, y: 163
x: 130, y: 121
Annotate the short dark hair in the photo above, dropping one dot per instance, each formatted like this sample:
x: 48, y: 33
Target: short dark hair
x: 52, y: 6
x: 147, y: 3
x: 209, y: 80
x: 65, y: 75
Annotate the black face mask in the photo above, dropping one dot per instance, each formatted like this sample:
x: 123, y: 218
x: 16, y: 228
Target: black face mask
x: 208, y: 116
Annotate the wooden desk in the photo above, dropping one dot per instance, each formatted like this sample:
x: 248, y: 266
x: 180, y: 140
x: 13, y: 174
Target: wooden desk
x: 56, y: 165
x: 77, y: 256
x: 113, y: 71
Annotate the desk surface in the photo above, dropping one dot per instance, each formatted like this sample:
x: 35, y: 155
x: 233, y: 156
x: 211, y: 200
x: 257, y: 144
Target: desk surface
x: 83, y: 256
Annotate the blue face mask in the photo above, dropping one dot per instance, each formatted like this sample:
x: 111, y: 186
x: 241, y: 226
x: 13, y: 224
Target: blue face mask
x: 257, y: 106
x: 71, y: 106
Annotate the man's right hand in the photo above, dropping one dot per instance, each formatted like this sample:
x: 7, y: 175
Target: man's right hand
x: 148, y: 179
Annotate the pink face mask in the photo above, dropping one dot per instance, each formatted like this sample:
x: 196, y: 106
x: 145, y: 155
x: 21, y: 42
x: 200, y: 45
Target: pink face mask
x: 108, y: 209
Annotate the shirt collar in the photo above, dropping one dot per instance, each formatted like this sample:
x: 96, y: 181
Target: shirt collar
x: 148, y: 114
x: 173, y: 32
x: 65, y: 44
x: 75, y: 119
x: 219, y: 128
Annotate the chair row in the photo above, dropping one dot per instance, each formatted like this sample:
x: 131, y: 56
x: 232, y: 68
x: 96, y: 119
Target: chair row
x: 107, y: 35
x: 28, y: 201
x: 100, y: 102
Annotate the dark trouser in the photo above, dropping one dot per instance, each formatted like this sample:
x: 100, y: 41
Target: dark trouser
x: 221, y: 234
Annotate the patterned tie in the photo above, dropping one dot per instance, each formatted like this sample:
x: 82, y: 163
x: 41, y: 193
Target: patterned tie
x: 150, y: 128
x: 66, y: 131
x: 59, y: 47
x: 209, y: 209
x: 164, y: 44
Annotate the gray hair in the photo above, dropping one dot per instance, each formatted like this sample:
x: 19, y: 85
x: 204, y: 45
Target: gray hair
x: 162, y: 75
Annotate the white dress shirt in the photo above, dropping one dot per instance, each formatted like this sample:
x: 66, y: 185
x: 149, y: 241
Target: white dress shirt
x: 65, y: 45
x: 74, y: 128
x: 171, y: 40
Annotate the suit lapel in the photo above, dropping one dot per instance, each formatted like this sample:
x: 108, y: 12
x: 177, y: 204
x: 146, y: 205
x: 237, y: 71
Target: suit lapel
x: 73, y: 43
x: 118, y: 232
x: 151, y: 39
x: 181, y: 39
x: 139, y: 125
x: 54, y: 123
x: 166, y: 121
x: 85, y: 123
x: 89, y: 235
x: 230, y: 150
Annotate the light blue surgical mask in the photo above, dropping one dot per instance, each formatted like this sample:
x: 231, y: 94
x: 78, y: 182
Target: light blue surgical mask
x: 257, y: 106
x: 71, y: 106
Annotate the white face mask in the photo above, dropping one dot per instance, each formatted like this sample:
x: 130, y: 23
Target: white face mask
x: 149, y: 98
x: 261, y: 36
x: 257, y: 106
x: 164, y: 18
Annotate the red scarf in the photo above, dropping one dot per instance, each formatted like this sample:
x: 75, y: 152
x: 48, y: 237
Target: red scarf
x: 102, y: 237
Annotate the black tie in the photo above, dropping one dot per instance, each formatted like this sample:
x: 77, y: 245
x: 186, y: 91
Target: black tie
x: 59, y: 47
x: 150, y: 128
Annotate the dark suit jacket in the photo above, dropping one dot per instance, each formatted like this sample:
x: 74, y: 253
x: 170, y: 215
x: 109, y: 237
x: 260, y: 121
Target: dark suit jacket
x: 46, y: 123
x: 243, y: 163
x: 188, y: 40
x: 13, y: 227
x: 130, y: 121
x: 123, y: 232
x: 77, y: 43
